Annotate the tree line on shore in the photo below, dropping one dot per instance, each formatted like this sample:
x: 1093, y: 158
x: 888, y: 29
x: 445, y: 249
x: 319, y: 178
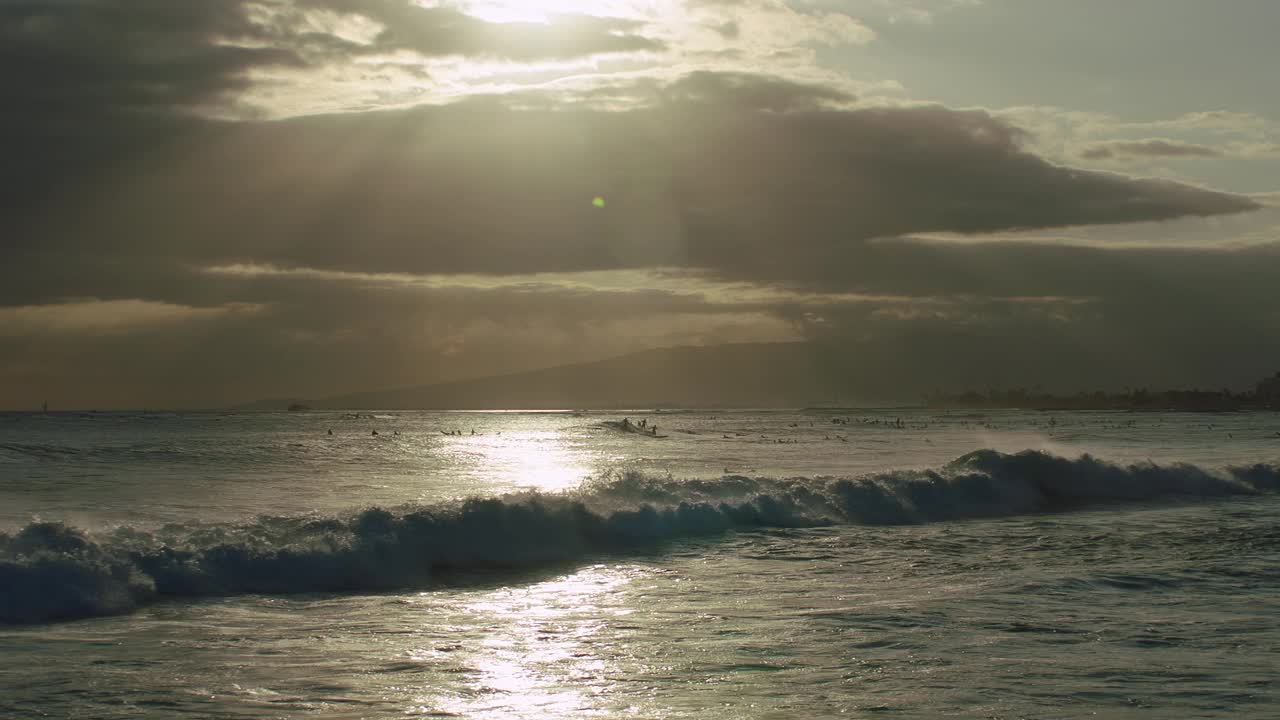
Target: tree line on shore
x: 1265, y: 395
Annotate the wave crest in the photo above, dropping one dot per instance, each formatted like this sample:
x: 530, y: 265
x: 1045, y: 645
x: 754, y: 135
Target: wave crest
x: 51, y: 571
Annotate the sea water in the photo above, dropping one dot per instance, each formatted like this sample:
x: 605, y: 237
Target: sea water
x: 750, y: 564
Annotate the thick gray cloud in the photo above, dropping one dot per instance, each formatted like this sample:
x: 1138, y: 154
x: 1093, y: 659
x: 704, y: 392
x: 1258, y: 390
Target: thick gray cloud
x: 1150, y: 148
x: 87, y: 82
x: 92, y: 86
x: 64, y: 59
x: 695, y: 180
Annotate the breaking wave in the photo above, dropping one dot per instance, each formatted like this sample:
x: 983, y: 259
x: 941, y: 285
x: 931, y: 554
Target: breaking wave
x: 51, y: 571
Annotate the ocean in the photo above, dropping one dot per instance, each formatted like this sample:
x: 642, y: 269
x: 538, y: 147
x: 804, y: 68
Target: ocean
x: 742, y: 564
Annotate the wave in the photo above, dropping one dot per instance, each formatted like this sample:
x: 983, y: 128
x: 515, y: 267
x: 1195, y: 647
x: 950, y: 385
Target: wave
x: 39, y: 451
x: 55, y: 452
x: 52, y: 571
x: 244, y: 453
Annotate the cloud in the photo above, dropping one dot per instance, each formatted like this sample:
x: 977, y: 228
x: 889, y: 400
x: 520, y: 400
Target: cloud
x: 1219, y: 121
x: 321, y: 335
x: 1149, y: 148
x: 68, y: 62
x: 1238, y: 142
x: 99, y: 317
x: 1260, y: 150
x: 64, y: 59
x: 775, y: 25
x: 78, y: 60
x: 434, y: 31
x: 168, y: 162
x: 743, y: 177
x: 722, y: 91
x: 929, y: 315
x: 398, y: 247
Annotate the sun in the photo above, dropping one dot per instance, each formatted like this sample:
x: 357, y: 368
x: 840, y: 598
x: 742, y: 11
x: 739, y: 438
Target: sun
x: 532, y: 11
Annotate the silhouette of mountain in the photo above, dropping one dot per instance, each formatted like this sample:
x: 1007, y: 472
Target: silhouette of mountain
x: 802, y: 374
x: 745, y: 375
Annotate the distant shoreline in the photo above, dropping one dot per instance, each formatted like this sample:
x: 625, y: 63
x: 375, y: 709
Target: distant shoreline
x: 1212, y: 403
x: 1105, y: 408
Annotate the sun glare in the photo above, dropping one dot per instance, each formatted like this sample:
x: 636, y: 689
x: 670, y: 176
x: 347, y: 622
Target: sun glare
x: 540, y: 460
x: 543, y: 11
x: 527, y: 11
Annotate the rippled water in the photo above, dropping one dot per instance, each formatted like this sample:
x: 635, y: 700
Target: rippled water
x: 852, y: 569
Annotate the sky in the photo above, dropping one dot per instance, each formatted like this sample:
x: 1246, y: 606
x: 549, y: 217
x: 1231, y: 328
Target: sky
x: 207, y: 203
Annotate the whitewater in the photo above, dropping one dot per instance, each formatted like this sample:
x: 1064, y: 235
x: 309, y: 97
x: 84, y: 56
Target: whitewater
x: 741, y: 564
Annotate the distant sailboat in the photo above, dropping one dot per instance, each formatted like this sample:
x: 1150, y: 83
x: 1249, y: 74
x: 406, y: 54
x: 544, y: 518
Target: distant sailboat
x: 46, y: 407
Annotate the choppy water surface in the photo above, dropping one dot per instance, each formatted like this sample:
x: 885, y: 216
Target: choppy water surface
x: 750, y: 564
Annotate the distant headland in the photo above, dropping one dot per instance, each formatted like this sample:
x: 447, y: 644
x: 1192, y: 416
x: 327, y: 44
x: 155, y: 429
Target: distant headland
x: 758, y: 375
x: 1264, y: 396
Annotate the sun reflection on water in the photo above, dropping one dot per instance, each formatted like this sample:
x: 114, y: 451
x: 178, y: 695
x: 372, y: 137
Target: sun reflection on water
x: 540, y: 655
x: 541, y: 460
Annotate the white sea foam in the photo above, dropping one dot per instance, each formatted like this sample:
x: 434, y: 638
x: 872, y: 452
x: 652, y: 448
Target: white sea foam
x: 51, y: 571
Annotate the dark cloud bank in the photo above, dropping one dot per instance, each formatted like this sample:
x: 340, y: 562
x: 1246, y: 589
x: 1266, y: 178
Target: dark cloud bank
x: 118, y: 190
